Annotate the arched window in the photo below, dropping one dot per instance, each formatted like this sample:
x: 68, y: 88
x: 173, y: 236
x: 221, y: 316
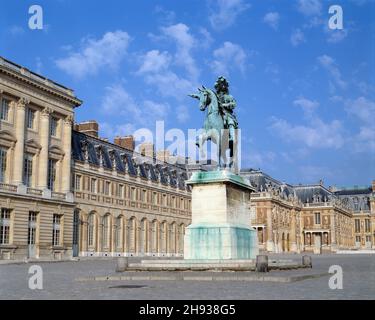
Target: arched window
x: 172, y: 238
x: 91, y: 230
x: 181, y: 238
x: 132, y: 230
x: 119, y: 233
x: 106, y: 230
x: 154, y: 237
x: 163, y: 237
x: 143, y: 236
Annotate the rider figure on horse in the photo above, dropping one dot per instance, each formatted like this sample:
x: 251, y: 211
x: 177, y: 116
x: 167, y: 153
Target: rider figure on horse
x: 227, y: 105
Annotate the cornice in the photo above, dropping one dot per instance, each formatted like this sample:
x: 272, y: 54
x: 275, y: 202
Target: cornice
x: 46, y: 87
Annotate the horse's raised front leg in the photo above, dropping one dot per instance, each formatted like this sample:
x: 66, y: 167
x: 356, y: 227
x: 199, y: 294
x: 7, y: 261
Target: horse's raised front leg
x: 200, y: 142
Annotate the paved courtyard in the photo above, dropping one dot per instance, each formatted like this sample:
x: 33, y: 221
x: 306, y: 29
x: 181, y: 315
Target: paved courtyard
x: 60, y: 281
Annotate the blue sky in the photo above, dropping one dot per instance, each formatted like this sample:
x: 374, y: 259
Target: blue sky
x: 305, y: 93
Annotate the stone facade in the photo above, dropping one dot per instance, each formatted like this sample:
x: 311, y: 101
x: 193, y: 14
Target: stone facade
x: 35, y: 165
x: 66, y: 192
x: 311, y: 217
x: 127, y: 204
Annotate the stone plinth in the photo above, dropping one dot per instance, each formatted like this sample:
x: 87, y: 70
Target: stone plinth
x: 220, y: 226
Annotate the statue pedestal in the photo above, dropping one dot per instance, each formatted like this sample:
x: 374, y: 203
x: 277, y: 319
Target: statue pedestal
x: 220, y: 226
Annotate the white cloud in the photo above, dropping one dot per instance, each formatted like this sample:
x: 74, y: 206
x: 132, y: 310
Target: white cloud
x: 336, y: 36
x: 170, y: 84
x: 117, y: 101
x: 154, y: 61
x: 318, y: 134
x: 309, y: 7
x: 182, y: 113
x: 256, y: 159
x: 167, y: 16
x: 157, y: 68
x: 38, y: 65
x: 297, y: 37
x: 185, y: 42
x: 228, y: 57
x: 272, y: 19
x: 308, y: 106
x: 273, y: 70
x: 364, y: 110
x: 109, y: 130
x: 225, y: 12
x: 158, y: 111
x: 330, y: 65
x: 95, y: 55
x: 207, y: 39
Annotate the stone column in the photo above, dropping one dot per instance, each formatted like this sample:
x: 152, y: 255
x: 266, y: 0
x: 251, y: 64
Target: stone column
x: 83, y: 236
x: 270, y: 246
x: 44, y: 142
x: 333, y: 233
x: 293, y: 243
x: 67, y: 145
x: 20, y: 107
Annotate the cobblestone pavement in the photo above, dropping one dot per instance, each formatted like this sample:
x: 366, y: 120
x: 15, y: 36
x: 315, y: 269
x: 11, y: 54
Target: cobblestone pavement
x: 60, y: 282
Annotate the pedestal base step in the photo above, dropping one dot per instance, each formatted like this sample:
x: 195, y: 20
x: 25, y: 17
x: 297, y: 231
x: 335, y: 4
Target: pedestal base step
x: 206, y: 265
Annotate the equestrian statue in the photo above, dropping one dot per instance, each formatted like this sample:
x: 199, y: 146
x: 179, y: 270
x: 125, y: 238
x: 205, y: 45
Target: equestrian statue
x: 220, y: 123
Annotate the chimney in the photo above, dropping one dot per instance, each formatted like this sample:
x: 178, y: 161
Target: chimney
x: 126, y: 142
x: 163, y: 155
x: 146, y: 149
x: 90, y: 128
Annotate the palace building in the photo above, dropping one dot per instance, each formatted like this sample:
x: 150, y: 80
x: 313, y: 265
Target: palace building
x: 65, y: 192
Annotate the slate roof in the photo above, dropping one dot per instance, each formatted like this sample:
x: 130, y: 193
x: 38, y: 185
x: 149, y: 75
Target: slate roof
x: 356, y: 199
x: 100, y: 152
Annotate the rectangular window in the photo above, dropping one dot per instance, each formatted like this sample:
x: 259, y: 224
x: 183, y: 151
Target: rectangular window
x: 78, y: 183
x: 31, y: 238
x: 367, y: 225
x: 357, y: 225
x: 30, y: 118
x: 56, y: 230
x: 144, y: 196
x: 317, y: 217
x: 4, y: 110
x: 51, y: 174
x: 154, y: 198
x: 164, y: 200
x: 28, y: 169
x: 357, y: 239
x: 53, y: 126
x: 107, y: 187
x: 120, y: 191
x: 93, y: 185
x: 4, y: 226
x: 3, y: 164
x: 368, y: 238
